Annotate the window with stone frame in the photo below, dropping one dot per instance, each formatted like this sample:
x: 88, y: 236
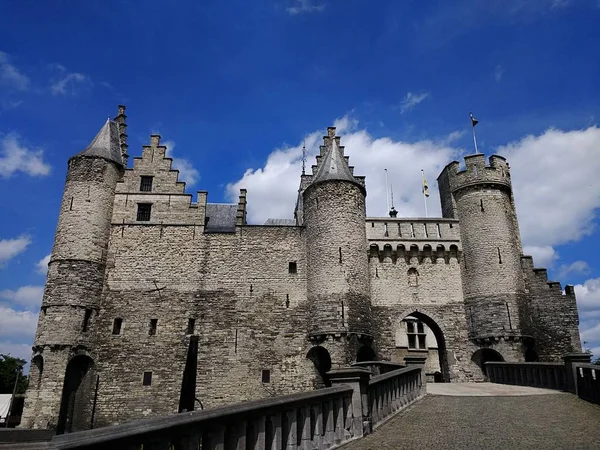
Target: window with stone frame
x: 413, y: 277
x: 147, y: 379
x: 143, y: 212
x: 146, y: 183
x: 417, y: 337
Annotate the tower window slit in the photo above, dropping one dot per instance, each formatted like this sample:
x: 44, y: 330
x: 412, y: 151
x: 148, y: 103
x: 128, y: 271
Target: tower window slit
x: 152, y: 329
x: 385, y: 227
x: 412, y: 230
x: 437, y: 228
x: 340, y: 250
x: 71, y: 205
x: 117, y: 324
x: 425, y: 230
x: 191, y: 325
x: 147, y: 380
x: 499, y: 256
x: 399, y: 230
x: 86, y: 320
x: 481, y: 205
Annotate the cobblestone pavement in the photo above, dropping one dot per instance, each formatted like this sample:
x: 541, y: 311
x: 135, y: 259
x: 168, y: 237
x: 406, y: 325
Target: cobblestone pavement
x: 561, y: 421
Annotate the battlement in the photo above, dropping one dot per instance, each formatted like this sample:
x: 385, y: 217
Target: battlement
x: 426, y: 253
x: 476, y: 172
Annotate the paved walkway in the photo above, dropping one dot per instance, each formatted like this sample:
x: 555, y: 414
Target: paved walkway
x: 486, y: 416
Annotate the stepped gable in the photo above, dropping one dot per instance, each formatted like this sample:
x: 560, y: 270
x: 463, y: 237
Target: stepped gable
x: 106, y: 144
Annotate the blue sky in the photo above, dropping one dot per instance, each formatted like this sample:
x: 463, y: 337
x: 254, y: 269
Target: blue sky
x: 235, y: 88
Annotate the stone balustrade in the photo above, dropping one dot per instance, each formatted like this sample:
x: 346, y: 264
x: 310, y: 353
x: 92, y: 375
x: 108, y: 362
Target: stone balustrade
x: 534, y: 374
x: 588, y: 382
x: 320, y: 419
x: 393, y: 391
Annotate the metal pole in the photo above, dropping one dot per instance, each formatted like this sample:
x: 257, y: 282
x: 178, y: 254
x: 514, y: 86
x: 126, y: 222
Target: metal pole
x: 12, y: 399
x: 474, y: 139
x: 387, y: 196
x: 423, y: 189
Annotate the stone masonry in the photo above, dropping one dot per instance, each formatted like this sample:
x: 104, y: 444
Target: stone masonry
x: 137, y: 268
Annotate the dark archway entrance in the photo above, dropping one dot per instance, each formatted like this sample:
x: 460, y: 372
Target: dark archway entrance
x: 322, y: 361
x: 77, y: 395
x: 444, y: 375
x: 366, y: 353
x: 531, y: 355
x: 483, y: 355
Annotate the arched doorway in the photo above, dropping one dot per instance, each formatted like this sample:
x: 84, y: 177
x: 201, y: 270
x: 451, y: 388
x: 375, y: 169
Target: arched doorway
x: 531, y: 355
x: 77, y: 395
x: 366, y: 353
x: 420, y: 333
x: 483, y: 355
x: 322, y: 361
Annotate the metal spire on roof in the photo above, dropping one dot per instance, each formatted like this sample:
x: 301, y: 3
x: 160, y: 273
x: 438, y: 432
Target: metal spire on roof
x: 304, y: 157
x: 106, y: 144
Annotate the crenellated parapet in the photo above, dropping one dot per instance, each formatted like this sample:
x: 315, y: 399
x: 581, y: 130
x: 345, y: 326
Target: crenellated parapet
x: 477, y: 173
x: 414, y: 254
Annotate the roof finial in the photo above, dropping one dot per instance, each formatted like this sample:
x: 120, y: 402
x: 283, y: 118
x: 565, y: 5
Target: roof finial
x: 120, y: 121
x: 393, y: 212
x: 304, y: 157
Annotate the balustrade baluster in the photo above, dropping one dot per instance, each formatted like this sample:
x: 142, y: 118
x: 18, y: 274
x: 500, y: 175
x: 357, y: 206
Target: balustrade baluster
x: 292, y: 430
x: 277, y: 432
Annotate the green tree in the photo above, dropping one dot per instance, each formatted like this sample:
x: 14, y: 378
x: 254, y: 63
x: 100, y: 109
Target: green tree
x: 8, y: 371
x: 596, y: 361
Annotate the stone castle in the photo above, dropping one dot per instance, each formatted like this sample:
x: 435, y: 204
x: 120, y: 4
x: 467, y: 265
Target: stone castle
x: 147, y: 289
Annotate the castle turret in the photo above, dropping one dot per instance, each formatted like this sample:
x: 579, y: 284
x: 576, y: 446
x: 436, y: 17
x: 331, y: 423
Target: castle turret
x: 481, y: 198
x: 62, y: 374
x: 339, y: 308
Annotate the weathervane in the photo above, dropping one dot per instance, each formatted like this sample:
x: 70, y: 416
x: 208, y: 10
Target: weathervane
x: 303, y: 157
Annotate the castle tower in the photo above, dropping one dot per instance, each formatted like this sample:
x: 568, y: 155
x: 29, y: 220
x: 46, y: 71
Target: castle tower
x: 481, y: 197
x: 62, y: 379
x: 339, y: 308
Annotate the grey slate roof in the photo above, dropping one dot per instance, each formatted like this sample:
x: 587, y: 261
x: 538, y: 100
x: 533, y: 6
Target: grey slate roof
x: 106, y: 144
x: 333, y: 166
x: 281, y: 222
x: 220, y: 218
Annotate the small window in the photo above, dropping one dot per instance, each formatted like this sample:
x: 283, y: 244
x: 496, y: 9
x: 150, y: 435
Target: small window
x: 152, y: 329
x: 147, y: 381
x: 146, y: 184
x: 191, y: 325
x: 412, y: 230
x: 293, y: 267
x: 86, y: 320
x: 266, y: 376
x: 117, y: 326
x: 143, y: 212
x: 417, y: 336
x: 413, y: 277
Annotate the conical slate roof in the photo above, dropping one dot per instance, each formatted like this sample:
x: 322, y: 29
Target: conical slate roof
x: 333, y: 166
x: 106, y: 144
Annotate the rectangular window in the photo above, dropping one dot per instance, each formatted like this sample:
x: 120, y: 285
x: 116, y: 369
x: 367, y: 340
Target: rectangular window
x: 146, y: 184
x: 425, y: 230
x: 153, y: 324
x: 147, y: 381
x: 412, y: 230
x: 437, y: 227
x: 191, y: 325
x: 417, y: 337
x: 422, y: 344
x: 292, y: 267
x: 117, y: 326
x: 266, y: 376
x: 86, y: 320
x: 143, y: 212
x: 420, y: 327
x: 412, y: 343
x: 410, y: 327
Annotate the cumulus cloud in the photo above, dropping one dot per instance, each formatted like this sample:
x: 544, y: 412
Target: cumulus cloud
x: 27, y: 296
x: 17, y: 323
x: 16, y: 157
x: 187, y: 171
x: 68, y: 83
x: 543, y: 256
x: 588, y: 303
x: 273, y: 189
x: 411, y: 100
x: 554, y: 177
x: 303, y: 7
x: 22, y: 351
x: 575, y: 268
x: 9, y: 248
x: 42, y: 265
x: 11, y: 76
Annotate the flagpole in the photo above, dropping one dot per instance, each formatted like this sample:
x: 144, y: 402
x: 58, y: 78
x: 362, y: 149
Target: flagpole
x: 423, y: 189
x: 473, y: 123
x: 387, y: 195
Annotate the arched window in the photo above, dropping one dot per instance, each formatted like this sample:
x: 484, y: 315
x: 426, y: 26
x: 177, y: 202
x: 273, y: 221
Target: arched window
x: 413, y: 277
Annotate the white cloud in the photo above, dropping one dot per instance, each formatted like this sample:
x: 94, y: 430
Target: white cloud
x: 304, y: 6
x: 498, y: 73
x: 187, y: 172
x: 22, y: 351
x: 17, y: 323
x: 28, y: 296
x: 588, y: 303
x: 411, y: 100
x: 68, y: 83
x: 575, y: 268
x: 15, y: 157
x: 9, y: 248
x: 543, y: 256
x: 554, y: 177
x: 273, y: 189
x: 11, y: 76
x: 42, y: 265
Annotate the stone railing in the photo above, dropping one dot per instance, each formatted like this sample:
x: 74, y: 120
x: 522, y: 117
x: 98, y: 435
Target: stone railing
x: 320, y: 419
x: 588, y: 382
x: 540, y: 375
x: 391, y: 392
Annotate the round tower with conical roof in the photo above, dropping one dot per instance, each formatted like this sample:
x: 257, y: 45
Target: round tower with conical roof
x: 339, y: 307
x: 63, y: 363
x: 481, y: 198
